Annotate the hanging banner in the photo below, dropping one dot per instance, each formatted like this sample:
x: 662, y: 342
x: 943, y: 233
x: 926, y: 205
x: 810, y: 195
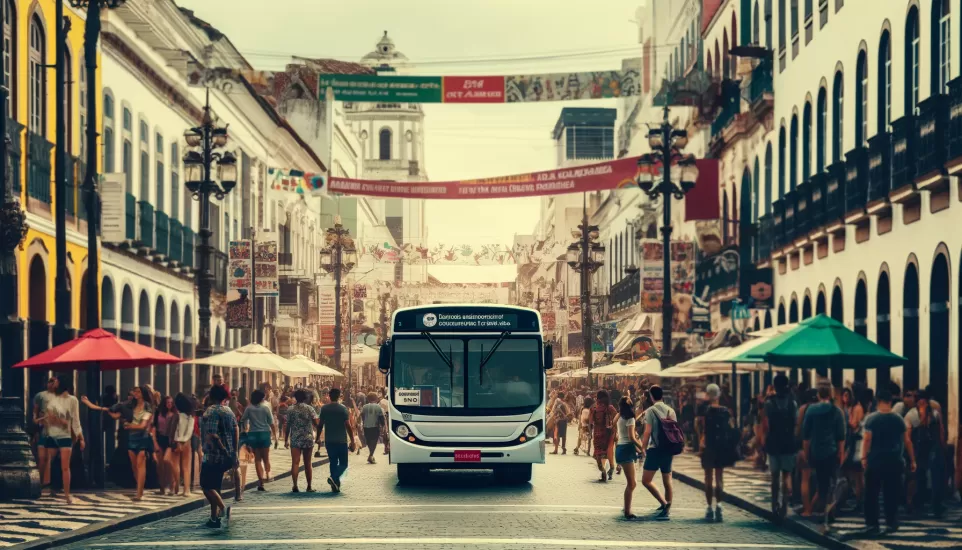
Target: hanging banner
x: 574, y: 314
x: 326, y: 316
x: 615, y: 174
x: 682, y: 280
x: 718, y: 273
x: 295, y: 181
x: 573, y: 86
x: 265, y: 266
x: 240, y: 313
x: 457, y: 254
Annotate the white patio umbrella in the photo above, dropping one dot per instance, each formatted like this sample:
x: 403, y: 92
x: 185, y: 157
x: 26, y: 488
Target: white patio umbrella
x: 576, y: 373
x: 314, y: 367
x: 362, y: 354
x: 251, y: 356
x: 681, y: 371
x: 638, y: 368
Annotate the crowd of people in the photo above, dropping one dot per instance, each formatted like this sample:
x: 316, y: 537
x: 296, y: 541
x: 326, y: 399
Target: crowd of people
x: 842, y: 448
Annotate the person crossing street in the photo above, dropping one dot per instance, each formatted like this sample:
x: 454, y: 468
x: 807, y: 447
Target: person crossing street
x: 338, y: 437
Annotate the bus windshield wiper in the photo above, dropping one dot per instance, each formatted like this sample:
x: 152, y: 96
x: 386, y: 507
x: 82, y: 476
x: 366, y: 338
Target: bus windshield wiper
x: 488, y: 356
x: 445, y: 358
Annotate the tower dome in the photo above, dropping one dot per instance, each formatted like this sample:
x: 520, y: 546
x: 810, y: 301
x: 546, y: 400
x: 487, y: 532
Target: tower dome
x: 385, y: 54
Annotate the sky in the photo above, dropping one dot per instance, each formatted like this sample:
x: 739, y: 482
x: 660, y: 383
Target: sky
x: 453, y: 37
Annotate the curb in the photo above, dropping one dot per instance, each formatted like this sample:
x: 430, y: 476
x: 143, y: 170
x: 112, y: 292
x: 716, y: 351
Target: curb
x: 97, y: 529
x: 802, y: 529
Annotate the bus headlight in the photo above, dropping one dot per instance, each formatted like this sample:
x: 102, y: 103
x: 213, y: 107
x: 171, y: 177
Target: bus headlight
x: 403, y: 431
x: 531, y: 431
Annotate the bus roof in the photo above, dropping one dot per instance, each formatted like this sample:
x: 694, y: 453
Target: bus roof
x: 466, y: 318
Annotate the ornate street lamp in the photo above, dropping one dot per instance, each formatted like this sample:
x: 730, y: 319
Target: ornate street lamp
x: 585, y: 256
x: 679, y: 174
x: 338, y: 257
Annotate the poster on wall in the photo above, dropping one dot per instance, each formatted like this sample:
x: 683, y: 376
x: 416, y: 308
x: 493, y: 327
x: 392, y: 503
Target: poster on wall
x: 265, y: 267
x: 574, y: 314
x: 682, y: 280
x: 326, y: 314
x: 717, y: 273
x: 760, y: 288
x: 240, y: 311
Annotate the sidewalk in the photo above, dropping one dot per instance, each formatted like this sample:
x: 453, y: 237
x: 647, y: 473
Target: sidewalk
x: 49, y: 522
x: 750, y: 489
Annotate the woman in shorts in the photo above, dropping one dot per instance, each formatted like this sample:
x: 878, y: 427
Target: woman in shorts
x: 626, y: 451
x: 302, y: 420
x: 259, y: 420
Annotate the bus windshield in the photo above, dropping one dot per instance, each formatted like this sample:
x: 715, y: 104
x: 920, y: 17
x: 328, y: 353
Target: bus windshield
x: 511, y: 378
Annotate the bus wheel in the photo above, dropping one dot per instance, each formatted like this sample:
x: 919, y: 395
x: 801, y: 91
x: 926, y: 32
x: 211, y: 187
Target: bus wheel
x: 411, y: 474
x: 513, y: 473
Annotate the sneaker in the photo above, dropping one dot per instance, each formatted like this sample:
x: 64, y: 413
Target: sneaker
x: 709, y: 513
x: 718, y: 513
x: 335, y: 488
x: 261, y: 488
x: 660, y: 509
x: 664, y: 514
x: 213, y: 523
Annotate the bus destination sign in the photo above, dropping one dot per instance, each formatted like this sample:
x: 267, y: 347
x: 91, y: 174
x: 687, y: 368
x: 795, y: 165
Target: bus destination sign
x: 467, y: 321
x: 447, y: 318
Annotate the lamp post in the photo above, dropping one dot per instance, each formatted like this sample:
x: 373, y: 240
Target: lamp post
x: 203, y: 151
x: 666, y: 144
x: 585, y: 256
x: 338, y: 257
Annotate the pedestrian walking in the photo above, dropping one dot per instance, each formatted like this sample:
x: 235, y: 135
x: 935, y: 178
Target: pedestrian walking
x: 139, y: 441
x: 885, y: 441
x: 627, y: 450
x: 259, y: 420
x: 561, y: 413
x: 338, y: 437
x: 302, y: 421
x: 40, y: 401
x: 179, y: 453
x: 924, y: 424
x: 162, y: 420
x: 778, y: 421
x: 386, y: 407
x: 61, y: 428
x: 658, y: 455
x: 719, y: 450
x: 584, y: 426
x: 372, y: 421
x: 221, y: 440
x: 823, y: 432
x: 603, y: 416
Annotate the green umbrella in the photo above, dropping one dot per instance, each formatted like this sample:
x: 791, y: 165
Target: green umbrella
x: 822, y: 342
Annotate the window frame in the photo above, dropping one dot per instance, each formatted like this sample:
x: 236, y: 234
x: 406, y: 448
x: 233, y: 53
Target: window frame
x: 37, y: 75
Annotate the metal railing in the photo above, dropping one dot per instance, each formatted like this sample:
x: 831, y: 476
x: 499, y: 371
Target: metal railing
x: 162, y: 233
x: 176, y: 253
x: 930, y: 132
x: 38, y: 167
x: 761, y: 82
x: 856, y: 179
x: 903, y: 151
x: 14, y: 132
x: 879, y: 166
x: 145, y: 224
x: 131, y: 222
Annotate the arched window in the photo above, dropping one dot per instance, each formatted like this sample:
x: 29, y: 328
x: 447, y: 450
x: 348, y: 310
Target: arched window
x: 912, y: 44
x: 838, y: 100
x: 108, y: 137
x: 781, y: 161
x: 756, y: 30
x: 794, y: 15
x: 144, y: 160
x: 174, y: 180
x: 768, y: 24
x: 768, y: 178
x: 10, y: 59
x: 726, y: 59
x: 159, y: 171
x: 861, y: 100
x: 782, y: 31
x: 884, y: 82
x: 807, y: 141
x: 385, y: 144
x: 793, y: 151
x: 38, y: 78
x: 941, y: 46
x: 756, y: 179
x: 821, y: 122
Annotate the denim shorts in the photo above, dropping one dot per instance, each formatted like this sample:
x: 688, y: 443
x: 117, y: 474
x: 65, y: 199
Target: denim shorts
x: 57, y: 442
x: 136, y: 444
x: 258, y: 440
x: 658, y: 460
x: 626, y: 453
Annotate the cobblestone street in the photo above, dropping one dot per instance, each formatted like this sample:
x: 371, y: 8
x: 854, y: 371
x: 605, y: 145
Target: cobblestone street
x: 563, y: 507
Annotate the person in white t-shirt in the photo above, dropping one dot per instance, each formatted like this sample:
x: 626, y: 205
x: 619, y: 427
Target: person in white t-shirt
x: 627, y: 449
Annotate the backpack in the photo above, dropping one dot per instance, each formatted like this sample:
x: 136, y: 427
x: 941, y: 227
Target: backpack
x: 724, y: 438
x: 781, y: 427
x: 670, y: 437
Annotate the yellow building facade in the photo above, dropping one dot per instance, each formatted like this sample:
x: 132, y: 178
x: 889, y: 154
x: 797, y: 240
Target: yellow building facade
x: 29, y: 44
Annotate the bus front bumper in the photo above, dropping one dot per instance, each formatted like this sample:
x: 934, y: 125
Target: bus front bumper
x: 529, y: 452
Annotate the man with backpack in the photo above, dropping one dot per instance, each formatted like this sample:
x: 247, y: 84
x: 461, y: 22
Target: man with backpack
x: 663, y: 439
x: 778, y: 440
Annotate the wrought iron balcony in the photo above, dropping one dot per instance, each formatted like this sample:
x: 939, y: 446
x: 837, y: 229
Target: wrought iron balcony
x: 763, y: 238
x: 145, y: 235
x: 162, y: 234
x: 816, y: 194
x: 131, y: 207
x: 219, y: 269
x: 903, y: 152
x: 879, y: 166
x: 954, y: 116
x: 788, y: 222
x: 176, y: 253
x: 803, y: 210
x: 626, y: 292
x: 834, y: 193
x: 856, y: 179
x: 778, y: 223
x: 761, y: 82
x: 724, y: 118
x: 38, y: 167
x: 14, y: 132
x: 930, y: 134
x: 188, y: 253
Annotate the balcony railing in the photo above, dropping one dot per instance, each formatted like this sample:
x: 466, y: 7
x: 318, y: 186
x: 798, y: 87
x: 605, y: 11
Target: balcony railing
x: 176, y: 253
x: 954, y: 110
x: 146, y: 224
x: 788, y: 222
x: 903, y: 151
x: 761, y: 82
x: 131, y: 207
x: 856, y: 179
x: 731, y: 106
x: 835, y: 193
x: 816, y: 194
x: 38, y: 167
x: 763, y: 238
x: 219, y: 263
x: 930, y: 134
x: 188, y: 250
x: 803, y: 210
x: 626, y: 292
x: 778, y: 223
x: 879, y: 166
x: 723, y: 119
x: 14, y: 132
x: 162, y: 234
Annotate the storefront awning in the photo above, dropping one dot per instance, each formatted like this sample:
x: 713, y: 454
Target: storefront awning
x: 642, y: 323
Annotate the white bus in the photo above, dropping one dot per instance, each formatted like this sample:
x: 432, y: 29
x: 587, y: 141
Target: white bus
x: 467, y: 390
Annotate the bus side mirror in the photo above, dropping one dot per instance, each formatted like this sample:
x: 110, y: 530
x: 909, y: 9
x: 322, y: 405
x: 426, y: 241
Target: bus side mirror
x: 548, y: 356
x: 384, y: 358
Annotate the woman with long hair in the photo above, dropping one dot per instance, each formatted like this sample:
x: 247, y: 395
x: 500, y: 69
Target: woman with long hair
x: 603, y: 416
x: 179, y: 431
x: 166, y: 413
x: 302, y: 421
x: 139, y: 441
x: 584, y: 426
x: 259, y: 421
x: 61, y: 427
x: 627, y: 449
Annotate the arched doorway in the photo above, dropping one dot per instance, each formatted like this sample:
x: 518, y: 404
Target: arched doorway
x: 37, y: 296
x: 883, y: 323
x: 768, y: 318
x: 781, y: 314
x: 861, y: 321
x: 939, y: 330
x: 128, y: 331
x: 160, y: 343
x: 107, y: 307
x: 910, y: 328
x: 820, y: 303
x: 793, y: 311
x: 838, y: 314
x: 806, y: 307
x: 143, y: 334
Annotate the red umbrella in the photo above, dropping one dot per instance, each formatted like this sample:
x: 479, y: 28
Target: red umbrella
x: 98, y: 346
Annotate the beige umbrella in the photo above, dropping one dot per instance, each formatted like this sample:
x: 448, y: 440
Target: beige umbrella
x: 638, y: 368
x: 576, y: 373
x: 682, y: 371
x: 251, y: 356
x: 315, y: 368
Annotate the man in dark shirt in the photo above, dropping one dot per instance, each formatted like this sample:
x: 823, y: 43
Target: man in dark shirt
x: 338, y: 437
x: 884, y: 441
x: 823, y: 433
